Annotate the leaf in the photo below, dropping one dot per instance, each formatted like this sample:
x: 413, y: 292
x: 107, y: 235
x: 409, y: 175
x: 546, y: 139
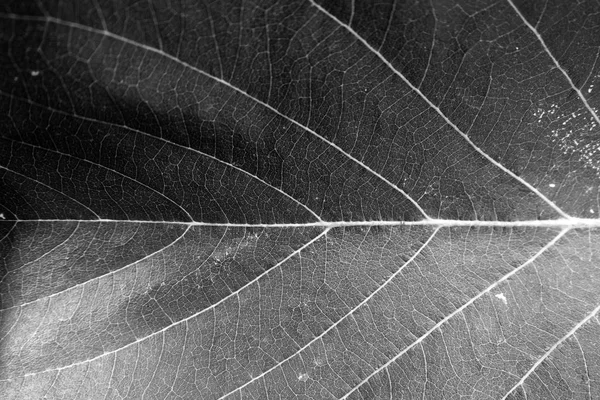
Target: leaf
x: 317, y: 200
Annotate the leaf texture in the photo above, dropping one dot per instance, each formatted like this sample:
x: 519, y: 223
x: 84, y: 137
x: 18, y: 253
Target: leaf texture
x: 299, y: 200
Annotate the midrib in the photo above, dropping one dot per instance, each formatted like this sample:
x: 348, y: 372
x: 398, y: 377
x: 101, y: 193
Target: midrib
x: 563, y: 223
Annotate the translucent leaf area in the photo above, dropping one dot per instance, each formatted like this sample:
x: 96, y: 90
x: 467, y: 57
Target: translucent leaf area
x: 299, y: 199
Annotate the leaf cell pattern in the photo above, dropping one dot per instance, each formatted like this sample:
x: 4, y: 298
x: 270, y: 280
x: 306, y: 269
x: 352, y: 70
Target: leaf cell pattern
x: 299, y: 199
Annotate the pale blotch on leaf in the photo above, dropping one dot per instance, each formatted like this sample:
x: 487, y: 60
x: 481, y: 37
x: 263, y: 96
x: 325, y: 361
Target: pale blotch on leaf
x: 303, y: 377
x: 502, y: 297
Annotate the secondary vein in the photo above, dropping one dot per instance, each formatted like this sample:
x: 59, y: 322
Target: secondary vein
x: 437, y: 110
x: 221, y: 81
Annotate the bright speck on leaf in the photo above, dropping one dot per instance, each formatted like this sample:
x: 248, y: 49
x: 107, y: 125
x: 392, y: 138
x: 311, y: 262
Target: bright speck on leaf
x: 303, y: 377
x: 502, y: 297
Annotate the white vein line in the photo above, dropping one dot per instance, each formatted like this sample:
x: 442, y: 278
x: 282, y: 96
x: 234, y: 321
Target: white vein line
x: 184, y: 320
x: 156, y: 25
x: 349, y: 313
x: 93, y: 120
x: 560, y: 68
x: 61, y: 244
x: 49, y: 187
x: 585, y: 364
x: 569, y: 334
x: 112, y: 272
x: 219, y: 80
x: 460, y: 309
x: 157, y: 362
x: 387, y: 25
x: 575, y: 223
x: 15, y: 223
x: 434, y: 31
x: 103, y: 20
x: 446, y: 119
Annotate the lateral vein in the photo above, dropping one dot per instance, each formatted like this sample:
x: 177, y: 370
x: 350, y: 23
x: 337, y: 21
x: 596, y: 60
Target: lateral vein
x: 348, y: 314
x: 555, y: 61
x: 221, y: 81
x: 437, y: 109
x: 554, y: 347
x: 459, y: 310
x: 93, y: 120
x: 181, y: 321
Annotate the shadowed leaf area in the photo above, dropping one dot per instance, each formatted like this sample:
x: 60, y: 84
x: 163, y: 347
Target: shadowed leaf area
x: 299, y: 200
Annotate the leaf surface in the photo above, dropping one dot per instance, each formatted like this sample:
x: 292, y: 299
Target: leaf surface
x: 313, y: 200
